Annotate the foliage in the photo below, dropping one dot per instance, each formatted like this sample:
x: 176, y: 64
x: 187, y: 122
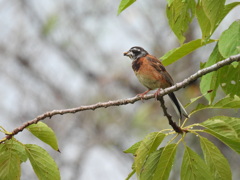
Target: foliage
x: 44, y: 133
x: 157, y: 162
x: 13, y: 153
x: 154, y: 156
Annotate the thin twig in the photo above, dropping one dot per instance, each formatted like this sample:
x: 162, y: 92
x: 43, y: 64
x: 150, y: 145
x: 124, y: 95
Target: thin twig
x: 163, y: 92
x: 175, y: 127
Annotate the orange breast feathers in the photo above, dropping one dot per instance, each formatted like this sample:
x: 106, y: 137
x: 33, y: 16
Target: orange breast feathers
x: 151, y: 73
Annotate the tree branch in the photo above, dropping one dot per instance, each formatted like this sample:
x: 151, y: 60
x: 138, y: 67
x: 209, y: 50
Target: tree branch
x: 175, y: 127
x: 163, y: 92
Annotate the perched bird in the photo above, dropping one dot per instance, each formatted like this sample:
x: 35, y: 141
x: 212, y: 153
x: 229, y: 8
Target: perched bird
x: 152, y: 74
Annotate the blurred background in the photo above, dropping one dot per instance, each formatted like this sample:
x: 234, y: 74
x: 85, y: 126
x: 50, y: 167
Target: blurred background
x: 67, y: 53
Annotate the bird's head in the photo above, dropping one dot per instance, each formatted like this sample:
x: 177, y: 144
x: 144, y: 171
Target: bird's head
x: 136, y: 52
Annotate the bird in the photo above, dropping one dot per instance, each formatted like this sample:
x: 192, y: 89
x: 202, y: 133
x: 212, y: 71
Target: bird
x: 152, y: 74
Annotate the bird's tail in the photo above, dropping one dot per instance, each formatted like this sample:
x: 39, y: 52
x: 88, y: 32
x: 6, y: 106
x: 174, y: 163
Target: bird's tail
x: 178, y: 106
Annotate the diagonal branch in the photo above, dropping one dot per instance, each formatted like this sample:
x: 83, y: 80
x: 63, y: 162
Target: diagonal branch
x: 163, y: 92
x: 175, y: 127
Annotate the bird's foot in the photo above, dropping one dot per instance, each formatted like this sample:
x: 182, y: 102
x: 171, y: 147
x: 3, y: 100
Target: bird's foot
x: 157, y: 93
x: 141, y: 95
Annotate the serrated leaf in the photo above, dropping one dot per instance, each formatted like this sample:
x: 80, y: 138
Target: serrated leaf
x: 225, y: 103
x: 207, y: 21
x: 150, y: 166
x: 185, y: 49
x: 12, y: 153
x: 228, y: 102
x: 209, y: 15
x: 9, y: 166
x: 231, y: 123
x: 214, y: 11
x: 227, y: 9
x: 44, y: 133
x: 180, y: 14
x: 133, y: 148
x: 193, y: 167
x: 43, y: 164
x: 226, y: 129
x: 14, y: 147
x: 203, y: 21
x: 230, y: 79
x: 211, y: 80
x: 149, y: 144
x: 165, y: 162
x: 124, y: 4
x: 217, y: 163
x: 229, y: 42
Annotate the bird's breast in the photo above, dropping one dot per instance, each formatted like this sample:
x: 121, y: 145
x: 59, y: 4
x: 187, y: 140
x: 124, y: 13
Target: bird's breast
x: 148, y: 81
x: 148, y: 75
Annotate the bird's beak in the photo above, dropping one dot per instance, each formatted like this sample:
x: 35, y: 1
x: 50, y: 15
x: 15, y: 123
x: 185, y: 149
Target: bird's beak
x: 126, y: 53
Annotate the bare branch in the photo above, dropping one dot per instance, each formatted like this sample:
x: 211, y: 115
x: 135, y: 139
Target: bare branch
x: 163, y: 92
x: 175, y: 127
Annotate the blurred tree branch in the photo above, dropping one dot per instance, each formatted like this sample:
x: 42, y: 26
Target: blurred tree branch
x: 163, y: 92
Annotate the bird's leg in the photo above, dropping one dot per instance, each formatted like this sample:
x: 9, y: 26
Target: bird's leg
x: 157, y: 93
x: 141, y: 95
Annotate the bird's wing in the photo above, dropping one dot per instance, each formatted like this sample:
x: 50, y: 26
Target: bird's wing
x: 160, y: 68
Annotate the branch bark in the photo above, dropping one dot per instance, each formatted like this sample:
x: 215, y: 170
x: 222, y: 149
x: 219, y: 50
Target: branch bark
x: 163, y: 92
x: 175, y: 127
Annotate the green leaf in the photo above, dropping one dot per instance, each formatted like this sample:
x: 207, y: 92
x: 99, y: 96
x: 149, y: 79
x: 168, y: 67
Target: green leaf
x: 213, y: 10
x: 124, y: 4
x: 230, y: 79
x: 207, y: 21
x: 149, y: 144
x: 159, y: 163
x: 193, y: 167
x: 226, y: 10
x: 165, y: 162
x: 203, y: 21
x: 43, y: 164
x: 9, y: 166
x: 228, y: 102
x: 130, y: 174
x: 14, y: 147
x: 231, y: 125
x: 217, y: 163
x: 170, y: 2
x: 226, y: 129
x: 44, y: 133
x: 229, y: 42
x: 150, y: 166
x: 12, y: 153
x: 185, y: 49
x: 133, y: 149
x: 225, y: 103
x: 209, y: 15
x: 192, y: 100
x: 180, y: 14
x: 210, y: 81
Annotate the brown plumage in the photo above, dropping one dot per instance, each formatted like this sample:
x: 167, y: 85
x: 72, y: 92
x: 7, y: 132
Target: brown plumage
x: 152, y: 74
